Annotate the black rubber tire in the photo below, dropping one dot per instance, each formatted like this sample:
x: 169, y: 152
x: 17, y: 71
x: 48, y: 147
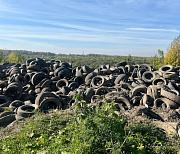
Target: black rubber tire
x: 125, y: 85
x: 124, y: 101
x: 14, y: 90
x: 140, y: 73
x: 46, y: 83
x: 121, y: 70
x: 3, y: 99
x: 86, y: 69
x: 41, y: 62
x: 27, y: 88
x: 139, y: 90
x: 66, y: 64
x: 148, y: 77
x: 98, y: 81
x: 55, y: 78
x: 79, y: 72
x: 134, y: 73
x: 147, y: 100
x: 136, y: 100
x: 173, y: 86
x: 119, y: 107
x: 25, y: 111
x: 177, y: 69
x: 5, y: 104
x: 37, y: 78
x: 65, y: 90
x: 169, y: 104
x: 165, y: 92
x: 79, y: 80
x: 121, y: 77
x: 43, y: 83
x: 45, y: 70
x: 89, y: 77
x: 166, y: 68
x: 50, y: 103
x: 29, y: 60
x: 96, y: 99
x: 28, y: 77
x: 73, y: 85
x: 159, y: 81
x: 16, y: 104
x: 42, y: 96
x: 33, y: 67
x: 147, y: 67
x: 62, y: 82
x: 153, y: 91
x: 89, y: 93
x: 124, y: 63
x: 102, y: 91
x: 6, y: 113
x: 129, y: 68
x: 6, y: 120
x: 58, y: 70
x: 158, y: 74
x: 20, y: 79
x: 171, y: 76
x: 65, y: 73
x: 113, y: 95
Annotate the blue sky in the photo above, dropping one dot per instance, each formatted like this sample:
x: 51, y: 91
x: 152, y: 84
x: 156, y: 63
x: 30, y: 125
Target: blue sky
x: 113, y: 27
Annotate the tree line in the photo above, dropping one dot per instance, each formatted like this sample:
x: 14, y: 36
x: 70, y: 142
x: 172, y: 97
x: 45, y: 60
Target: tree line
x: 172, y: 57
x: 91, y: 60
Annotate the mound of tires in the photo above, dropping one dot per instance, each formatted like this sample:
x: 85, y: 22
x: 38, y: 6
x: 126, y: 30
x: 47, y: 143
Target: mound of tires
x: 45, y: 85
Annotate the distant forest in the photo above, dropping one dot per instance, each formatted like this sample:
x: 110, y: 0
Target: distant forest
x: 91, y: 60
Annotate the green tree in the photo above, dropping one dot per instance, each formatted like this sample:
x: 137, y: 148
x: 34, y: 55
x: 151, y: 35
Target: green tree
x: 77, y: 63
x: 129, y: 59
x: 173, y: 53
x: 16, y: 57
x: 158, y: 60
x: 1, y: 56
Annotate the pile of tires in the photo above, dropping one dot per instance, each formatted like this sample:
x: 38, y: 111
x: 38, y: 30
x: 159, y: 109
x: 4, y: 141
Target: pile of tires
x: 45, y: 85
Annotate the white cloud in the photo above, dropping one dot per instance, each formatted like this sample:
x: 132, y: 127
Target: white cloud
x: 154, y: 29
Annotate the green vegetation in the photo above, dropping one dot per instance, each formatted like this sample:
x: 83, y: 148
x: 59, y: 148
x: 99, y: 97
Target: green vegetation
x: 172, y: 57
x: 173, y: 53
x: 91, y: 130
x: 158, y: 60
x: 91, y: 60
x: 15, y: 57
x: 1, y: 56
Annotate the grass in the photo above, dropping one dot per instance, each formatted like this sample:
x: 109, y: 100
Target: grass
x: 91, y: 130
